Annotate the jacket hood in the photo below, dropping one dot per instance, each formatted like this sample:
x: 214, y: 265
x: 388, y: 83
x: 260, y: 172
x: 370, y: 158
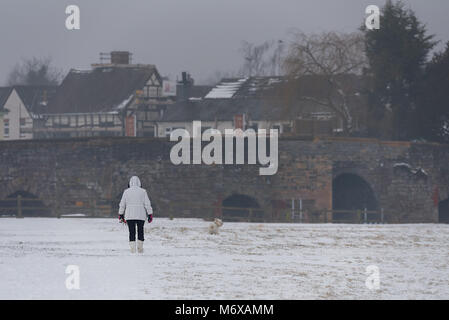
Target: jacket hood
x: 134, y: 182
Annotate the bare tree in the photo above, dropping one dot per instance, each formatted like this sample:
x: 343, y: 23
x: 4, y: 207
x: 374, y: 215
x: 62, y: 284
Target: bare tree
x: 332, y: 56
x: 263, y: 59
x: 34, y: 71
x: 215, y: 77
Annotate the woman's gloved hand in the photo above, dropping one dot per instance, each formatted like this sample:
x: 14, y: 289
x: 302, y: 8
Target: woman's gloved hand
x: 150, y: 218
x: 121, y: 218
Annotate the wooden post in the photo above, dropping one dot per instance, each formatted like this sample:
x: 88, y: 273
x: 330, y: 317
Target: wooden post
x: 93, y: 205
x: 365, y: 216
x: 293, y: 209
x: 382, y: 215
x: 19, y: 207
x: 111, y: 210
x: 329, y: 215
x: 54, y: 210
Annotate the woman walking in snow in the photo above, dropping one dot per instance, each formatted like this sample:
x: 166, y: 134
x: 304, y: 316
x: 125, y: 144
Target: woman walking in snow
x: 134, y: 208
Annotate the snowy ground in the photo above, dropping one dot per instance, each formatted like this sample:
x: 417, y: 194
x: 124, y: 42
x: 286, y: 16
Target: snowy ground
x: 245, y: 261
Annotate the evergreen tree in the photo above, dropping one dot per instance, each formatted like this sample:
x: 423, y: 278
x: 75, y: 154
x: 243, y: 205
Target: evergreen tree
x: 397, y: 53
x: 432, y: 116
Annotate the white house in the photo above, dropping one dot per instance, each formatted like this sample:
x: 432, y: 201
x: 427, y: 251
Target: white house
x: 21, y: 107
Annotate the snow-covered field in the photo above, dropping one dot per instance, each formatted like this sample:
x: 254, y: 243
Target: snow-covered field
x: 245, y: 261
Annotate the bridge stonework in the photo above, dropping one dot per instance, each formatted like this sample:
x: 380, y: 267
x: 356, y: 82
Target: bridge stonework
x: 65, y: 173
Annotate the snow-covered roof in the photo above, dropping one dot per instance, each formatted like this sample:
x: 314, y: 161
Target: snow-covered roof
x: 34, y: 97
x: 97, y: 90
x: 225, y: 89
x: 245, y: 87
x: 124, y: 103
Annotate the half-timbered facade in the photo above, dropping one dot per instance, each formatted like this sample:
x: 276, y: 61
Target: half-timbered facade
x: 113, y: 99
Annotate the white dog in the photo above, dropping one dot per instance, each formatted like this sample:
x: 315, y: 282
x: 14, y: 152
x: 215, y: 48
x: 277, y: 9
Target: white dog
x: 213, y: 227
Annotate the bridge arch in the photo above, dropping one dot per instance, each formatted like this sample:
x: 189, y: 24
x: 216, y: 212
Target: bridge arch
x: 237, y: 206
x: 352, y: 192
x: 443, y: 211
x: 31, y: 205
x: 241, y: 201
x: 27, y: 185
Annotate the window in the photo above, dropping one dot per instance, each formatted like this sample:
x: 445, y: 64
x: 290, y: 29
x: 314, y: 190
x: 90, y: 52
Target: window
x: 22, y: 121
x: 6, y: 132
x: 6, y: 122
x: 64, y: 120
x: 61, y: 121
x: 106, y: 120
x: 152, y: 91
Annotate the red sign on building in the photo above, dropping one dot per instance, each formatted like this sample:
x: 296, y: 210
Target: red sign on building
x: 130, y: 126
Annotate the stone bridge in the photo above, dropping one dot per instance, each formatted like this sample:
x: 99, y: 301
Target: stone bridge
x: 408, y: 181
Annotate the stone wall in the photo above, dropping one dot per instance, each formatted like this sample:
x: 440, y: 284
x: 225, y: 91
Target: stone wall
x: 69, y: 174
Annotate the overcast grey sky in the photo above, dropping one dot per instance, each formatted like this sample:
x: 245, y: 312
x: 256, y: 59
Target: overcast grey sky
x: 200, y: 36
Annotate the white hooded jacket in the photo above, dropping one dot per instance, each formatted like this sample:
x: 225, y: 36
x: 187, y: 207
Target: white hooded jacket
x: 135, y: 203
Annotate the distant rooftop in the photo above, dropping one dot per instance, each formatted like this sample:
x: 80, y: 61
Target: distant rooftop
x: 105, y: 88
x: 225, y: 89
x: 244, y: 87
x: 265, y: 98
x: 34, y: 97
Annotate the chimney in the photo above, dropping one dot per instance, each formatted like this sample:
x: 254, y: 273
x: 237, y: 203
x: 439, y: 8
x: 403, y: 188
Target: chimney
x: 120, y: 57
x: 183, y: 87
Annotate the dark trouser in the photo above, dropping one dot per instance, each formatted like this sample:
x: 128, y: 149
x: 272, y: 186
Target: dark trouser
x: 132, y: 229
